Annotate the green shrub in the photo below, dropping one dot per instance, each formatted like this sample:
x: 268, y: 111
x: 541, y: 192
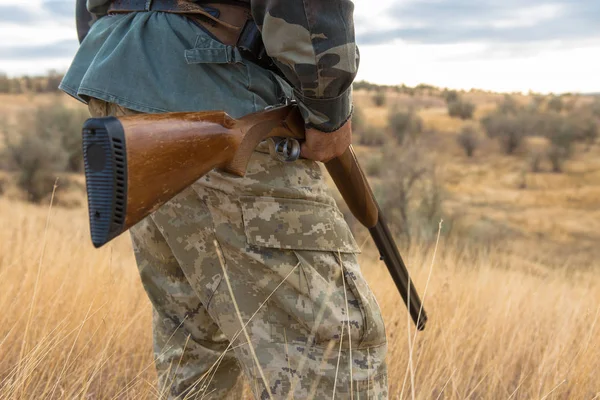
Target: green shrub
x: 461, y: 109
x: 405, y: 125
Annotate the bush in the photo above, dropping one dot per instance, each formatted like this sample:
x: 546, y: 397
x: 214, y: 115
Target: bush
x: 65, y: 124
x: 45, y: 143
x: 557, y: 156
x: 450, y: 95
x: 584, y: 127
x: 405, y: 125
x: 509, y: 130
x: 468, y: 139
x: 379, y: 98
x: 374, y: 166
x: 461, y: 109
x: 535, y: 161
x: 410, y: 194
x: 372, y: 136
x: 508, y: 106
x: 555, y: 104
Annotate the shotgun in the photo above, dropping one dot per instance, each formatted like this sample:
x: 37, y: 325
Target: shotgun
x: 135, y: 164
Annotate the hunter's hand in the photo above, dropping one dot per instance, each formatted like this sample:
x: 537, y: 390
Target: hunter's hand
x: 325, y: 146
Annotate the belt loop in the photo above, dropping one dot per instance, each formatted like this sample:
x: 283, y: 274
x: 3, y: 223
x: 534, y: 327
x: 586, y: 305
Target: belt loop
x: 148, y: 5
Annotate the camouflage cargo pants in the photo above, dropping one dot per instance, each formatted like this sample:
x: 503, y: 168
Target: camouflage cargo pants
x: 258, y: 274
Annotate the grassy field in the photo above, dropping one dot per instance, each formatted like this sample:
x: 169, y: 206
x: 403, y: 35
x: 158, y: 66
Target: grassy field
x: 511, y: 317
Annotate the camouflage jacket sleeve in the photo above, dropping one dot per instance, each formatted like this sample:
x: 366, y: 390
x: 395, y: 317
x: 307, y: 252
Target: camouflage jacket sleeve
x: 312, y: 43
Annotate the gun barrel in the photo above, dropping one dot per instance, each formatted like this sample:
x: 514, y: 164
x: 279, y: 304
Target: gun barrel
x: 391, y: 257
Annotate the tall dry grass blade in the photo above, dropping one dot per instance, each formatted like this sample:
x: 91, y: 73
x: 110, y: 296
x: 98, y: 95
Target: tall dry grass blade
x: 553, y: 390
x: 337, y: 367
x: 326, y: 354
x: 518, y: 386
x: 212, y: 370
x: 239, y: 315
x: 287, y: 356
x: 414, y: 339
x: 66, y: 362
x: 317, y: 323
x: 350, y: 361
x: 445, y: 384
x: 37, y: 277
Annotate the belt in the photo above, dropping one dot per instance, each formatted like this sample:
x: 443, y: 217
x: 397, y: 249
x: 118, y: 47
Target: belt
x: 224, y: 21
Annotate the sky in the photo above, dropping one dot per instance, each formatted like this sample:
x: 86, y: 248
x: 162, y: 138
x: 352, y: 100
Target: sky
x: 501, y: 45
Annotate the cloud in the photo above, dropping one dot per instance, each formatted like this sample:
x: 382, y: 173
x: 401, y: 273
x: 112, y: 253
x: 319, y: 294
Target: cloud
x: 59, y: 49
x: 488, y: 21
x: 16, y: 14
x: 50, y: 10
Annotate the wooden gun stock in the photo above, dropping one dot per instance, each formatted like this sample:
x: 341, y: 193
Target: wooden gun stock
x: 135, y: 164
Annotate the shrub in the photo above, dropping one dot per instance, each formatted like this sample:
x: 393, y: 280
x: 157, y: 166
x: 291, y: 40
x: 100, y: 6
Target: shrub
x: 450, y: 95
x: 405, y: 125
x: 36, y: 157
x: 43, y: 144
x: 584, y: 127
x: 535, y: 104
x: 468, y: 139
x: 374, y: 166
x: 410, y: 194
x: 372, y: 136
x: 461, y: 109
x: 535, y: 160
x: 557, y: 156
x: 508, y: 106
x: 555, y: 104
x: 509, y: 130
x: 64, y: 123
x: 379, y: 98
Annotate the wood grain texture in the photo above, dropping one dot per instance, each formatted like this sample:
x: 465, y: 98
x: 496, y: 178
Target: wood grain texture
x: 354, y: 187
x: 168, y: 152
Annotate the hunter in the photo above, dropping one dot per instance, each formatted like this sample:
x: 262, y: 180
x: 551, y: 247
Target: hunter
x: 313, y: 327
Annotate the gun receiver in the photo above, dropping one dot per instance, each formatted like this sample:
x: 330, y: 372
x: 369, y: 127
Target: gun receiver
x: 135, y: 164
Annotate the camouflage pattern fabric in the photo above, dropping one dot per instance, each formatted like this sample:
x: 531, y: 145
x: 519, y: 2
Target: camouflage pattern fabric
x: 313, y: 44
x: 258, y: 275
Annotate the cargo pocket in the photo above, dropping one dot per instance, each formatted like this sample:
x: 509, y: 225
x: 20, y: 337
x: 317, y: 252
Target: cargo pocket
x: 210, y: 51
x: 320, y: 239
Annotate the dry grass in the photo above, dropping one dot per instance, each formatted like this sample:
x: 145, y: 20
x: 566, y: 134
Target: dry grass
x: 495, y: 331
x: 517, y: 319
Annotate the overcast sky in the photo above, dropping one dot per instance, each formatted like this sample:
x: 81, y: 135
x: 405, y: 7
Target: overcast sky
x: 503, y: 45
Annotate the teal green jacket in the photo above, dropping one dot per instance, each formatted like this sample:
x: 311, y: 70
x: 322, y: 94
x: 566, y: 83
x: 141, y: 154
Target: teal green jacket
x: 157, y: 62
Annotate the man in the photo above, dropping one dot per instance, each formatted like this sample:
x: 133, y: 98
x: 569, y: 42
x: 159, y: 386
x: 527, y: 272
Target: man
x: 255, y: 274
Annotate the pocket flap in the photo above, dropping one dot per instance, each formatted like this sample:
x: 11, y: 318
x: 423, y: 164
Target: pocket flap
x: 296, y: 224
x: 209, y: 50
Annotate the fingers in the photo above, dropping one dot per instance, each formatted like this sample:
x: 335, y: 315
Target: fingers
x: 325, y: 146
